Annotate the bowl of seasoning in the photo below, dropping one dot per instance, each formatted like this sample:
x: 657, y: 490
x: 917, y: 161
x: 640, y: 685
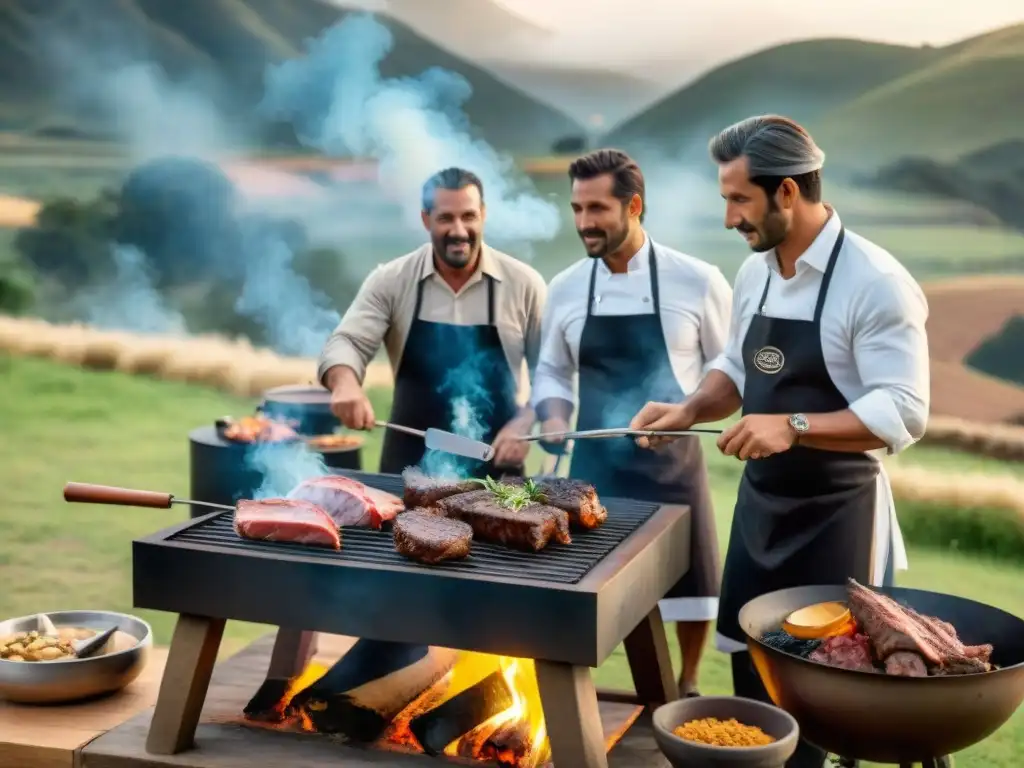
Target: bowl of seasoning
x: 724, y: 732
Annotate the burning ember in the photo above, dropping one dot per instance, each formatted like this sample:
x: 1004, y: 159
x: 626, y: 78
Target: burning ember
x: 483, y: 707
x: 253, y: 429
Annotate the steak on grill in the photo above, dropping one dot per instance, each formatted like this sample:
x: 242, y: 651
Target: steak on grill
x: 577, y: 498
x: 286, y: 520
x: 422, y: 490
x: 348, y: 501
x: 531, y: 528
x: 431, y: 538
x: 897, y: 629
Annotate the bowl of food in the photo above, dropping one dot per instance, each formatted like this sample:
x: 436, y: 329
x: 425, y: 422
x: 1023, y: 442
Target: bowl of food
x: 39, y: 665
x: 724, y: 732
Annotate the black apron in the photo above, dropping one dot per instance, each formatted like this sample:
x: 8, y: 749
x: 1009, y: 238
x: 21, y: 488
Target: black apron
x: 442, y: 363
x: 623, y: 364
x: 804, y: 516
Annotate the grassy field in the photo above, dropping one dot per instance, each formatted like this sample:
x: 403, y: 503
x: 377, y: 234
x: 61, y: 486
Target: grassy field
x: 63, y: 423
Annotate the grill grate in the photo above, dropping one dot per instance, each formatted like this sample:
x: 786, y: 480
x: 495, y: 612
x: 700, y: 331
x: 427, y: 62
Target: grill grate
x: 556, y: 563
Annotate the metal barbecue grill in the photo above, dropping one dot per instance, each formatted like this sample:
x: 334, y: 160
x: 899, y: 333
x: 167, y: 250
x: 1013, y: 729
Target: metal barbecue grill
x: 567, y: 607
x: 557, y: 563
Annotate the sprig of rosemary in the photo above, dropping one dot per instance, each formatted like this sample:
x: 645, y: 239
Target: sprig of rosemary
x: 513, y: 497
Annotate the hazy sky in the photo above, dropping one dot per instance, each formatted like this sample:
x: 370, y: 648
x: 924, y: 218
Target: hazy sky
x: 589, y: 31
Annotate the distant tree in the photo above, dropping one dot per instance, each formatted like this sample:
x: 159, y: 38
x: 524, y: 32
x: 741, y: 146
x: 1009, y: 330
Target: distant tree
x: 1002, y: 354
x: 570, y: 145
x: 16, y: 290
x: 70, y: 240
x: 181, y: 213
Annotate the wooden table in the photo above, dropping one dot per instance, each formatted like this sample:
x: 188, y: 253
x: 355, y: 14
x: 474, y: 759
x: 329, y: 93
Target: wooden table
x: 51, y: 736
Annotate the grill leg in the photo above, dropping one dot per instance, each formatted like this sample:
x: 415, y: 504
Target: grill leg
x: 293, y: 648
x: 572, y: 716
x: 190, y: 661
x: 650, y: 663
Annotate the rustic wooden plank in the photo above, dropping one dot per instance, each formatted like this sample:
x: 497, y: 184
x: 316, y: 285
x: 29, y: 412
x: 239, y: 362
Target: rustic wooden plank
x: 572, y: 715
x: 637, y: 749
x: 223, y: 740
x: 190, y: 662
x: 47, y: 737
x: 650, y: 662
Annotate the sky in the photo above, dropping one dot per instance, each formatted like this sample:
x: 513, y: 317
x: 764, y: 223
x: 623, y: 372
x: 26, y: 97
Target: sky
x: 592, y: 31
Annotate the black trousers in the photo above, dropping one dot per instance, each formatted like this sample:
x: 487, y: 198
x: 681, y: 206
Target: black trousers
x: 747, y: 684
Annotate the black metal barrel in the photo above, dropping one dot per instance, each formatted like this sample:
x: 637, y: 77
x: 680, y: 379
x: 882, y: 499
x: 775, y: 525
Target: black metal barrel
x: 220, y: 473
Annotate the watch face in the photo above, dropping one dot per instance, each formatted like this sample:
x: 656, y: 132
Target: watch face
x: 799, y: 422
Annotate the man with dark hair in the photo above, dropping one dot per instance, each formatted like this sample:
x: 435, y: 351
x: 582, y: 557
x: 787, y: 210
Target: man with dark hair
x: 637, y: 321
x: 460, y: 322
x: 828, y: 358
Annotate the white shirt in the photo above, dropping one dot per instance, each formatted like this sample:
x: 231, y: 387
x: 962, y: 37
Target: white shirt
x: 695, y: 311
x: 872, y: 328
x: 874, y: 343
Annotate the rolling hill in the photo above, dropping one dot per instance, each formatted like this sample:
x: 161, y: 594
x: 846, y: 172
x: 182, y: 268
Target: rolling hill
x: 222, y: 48
x: 866, y: 103
x: 963, y: 313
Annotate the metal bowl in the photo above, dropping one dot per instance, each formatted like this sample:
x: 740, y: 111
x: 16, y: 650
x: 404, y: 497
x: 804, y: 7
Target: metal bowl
x: 60, y: 682
x: 688, y: 754
x: 882, y: 718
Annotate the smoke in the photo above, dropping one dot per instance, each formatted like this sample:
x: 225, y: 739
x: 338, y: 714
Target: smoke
x: 467, y: 385
x: 283, y: 466
x: 129, y: 300
x: 340, y: 104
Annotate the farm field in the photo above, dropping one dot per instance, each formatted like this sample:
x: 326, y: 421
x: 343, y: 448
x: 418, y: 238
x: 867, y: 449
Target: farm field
x: 63, y: 423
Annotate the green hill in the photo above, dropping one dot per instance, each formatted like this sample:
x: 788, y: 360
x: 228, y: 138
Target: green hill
x: 803, y: 79
x: 972, y: 97
x: 866, y: 103
x: 224, y: 47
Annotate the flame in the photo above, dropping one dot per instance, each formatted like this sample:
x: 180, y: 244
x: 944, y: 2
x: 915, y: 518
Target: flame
x: 313, y: 672
x: 526, y: 714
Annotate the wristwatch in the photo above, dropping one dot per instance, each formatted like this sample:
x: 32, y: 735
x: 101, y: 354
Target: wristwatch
x: 799, y: 424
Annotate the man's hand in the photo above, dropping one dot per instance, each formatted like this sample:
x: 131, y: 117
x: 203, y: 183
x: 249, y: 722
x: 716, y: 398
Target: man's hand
x: 509, y: 451
x: 554, y: 445
x: 661, y: 417
x: 351, y: 405
x: 758, y: 436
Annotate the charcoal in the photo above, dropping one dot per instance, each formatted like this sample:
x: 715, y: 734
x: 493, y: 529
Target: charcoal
x: 368, y: 686
x: 785, y: 642
x: 266, y: 705
x: 439, y: 727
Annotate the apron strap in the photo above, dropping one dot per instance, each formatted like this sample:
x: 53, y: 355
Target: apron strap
x: 825, y: 280
x: 655, y: 293
x: 419, y: 298
x: 490, y: 300
x: 590, y: 291
x: 823, y: 290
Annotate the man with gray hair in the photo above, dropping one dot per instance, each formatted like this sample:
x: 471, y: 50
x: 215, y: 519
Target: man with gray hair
x: 828, y: 359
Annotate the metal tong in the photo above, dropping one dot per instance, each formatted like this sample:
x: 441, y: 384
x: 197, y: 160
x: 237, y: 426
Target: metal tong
x: 618, y: 432
x: 447, y: 442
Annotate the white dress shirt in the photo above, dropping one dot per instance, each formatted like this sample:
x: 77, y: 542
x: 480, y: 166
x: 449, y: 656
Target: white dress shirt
x: 695, y: 309
x: 873, y: 340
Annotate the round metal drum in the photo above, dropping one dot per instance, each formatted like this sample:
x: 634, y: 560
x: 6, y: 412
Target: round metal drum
x: 306, y: 407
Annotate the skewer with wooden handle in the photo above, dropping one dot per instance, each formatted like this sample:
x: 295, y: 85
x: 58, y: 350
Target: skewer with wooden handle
x: 88, y: 493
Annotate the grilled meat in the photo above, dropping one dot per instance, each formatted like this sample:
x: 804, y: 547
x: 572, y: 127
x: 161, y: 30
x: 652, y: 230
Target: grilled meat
x: 431, y: 538
x: 897, y: 629
x: 530, y: 527
x: 348, y: 501
x: 286, y: 520
x: 422, y: 490
x: 577, y: 498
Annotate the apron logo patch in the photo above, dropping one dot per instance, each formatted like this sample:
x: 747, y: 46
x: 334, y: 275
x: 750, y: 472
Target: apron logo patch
x: 769, y: 360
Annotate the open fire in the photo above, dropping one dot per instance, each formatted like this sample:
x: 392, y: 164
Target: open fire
x: 484, y: 707
x: 254, y: 429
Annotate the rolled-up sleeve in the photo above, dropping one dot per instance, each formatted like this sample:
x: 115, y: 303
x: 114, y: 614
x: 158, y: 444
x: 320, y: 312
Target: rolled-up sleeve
x: 890, y: 348
x: 714, y: 325
x: 361, y: 331
x: 555, y: 365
